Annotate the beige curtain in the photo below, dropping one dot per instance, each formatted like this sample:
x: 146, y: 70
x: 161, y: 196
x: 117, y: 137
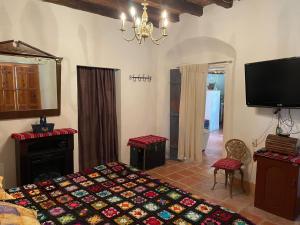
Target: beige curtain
x: 228, y: 104
x: 192, y: 111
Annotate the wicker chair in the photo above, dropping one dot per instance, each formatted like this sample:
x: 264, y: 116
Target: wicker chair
x: 236, y: 156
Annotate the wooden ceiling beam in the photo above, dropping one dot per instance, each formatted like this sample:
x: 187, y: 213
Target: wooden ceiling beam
x: 85, y: 6
x: 183, y: 6
x: 112, y: 8
x: 176, y: 6
x: 124, y: 6
x: 224, y: 3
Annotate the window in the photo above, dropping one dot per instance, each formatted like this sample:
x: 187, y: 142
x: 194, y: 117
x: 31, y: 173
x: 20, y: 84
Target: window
x: 19, y: 87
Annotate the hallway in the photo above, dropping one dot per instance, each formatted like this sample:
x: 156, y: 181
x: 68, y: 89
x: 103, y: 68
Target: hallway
x: 214, y: 148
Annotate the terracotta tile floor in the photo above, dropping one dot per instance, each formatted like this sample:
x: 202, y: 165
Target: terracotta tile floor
x: 197, y: 178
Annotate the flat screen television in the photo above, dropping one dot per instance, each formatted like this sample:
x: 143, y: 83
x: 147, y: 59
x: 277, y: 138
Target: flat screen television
x: 274, y: 83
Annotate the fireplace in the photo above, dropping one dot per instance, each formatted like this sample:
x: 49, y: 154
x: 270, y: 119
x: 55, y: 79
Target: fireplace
x: 43, y: 158
x: 48, y: 165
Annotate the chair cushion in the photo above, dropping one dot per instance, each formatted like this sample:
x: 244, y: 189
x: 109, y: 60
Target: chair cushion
x: 227, y: 164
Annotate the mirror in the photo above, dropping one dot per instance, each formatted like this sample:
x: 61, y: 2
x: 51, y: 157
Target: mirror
x: 29, y: 81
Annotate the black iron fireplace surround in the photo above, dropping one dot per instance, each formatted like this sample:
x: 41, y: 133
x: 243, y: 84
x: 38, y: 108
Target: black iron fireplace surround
x: 44, y: 158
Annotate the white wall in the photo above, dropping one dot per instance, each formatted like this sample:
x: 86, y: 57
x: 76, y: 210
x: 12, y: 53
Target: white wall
x: 252, y: 30
x: 81, y: 38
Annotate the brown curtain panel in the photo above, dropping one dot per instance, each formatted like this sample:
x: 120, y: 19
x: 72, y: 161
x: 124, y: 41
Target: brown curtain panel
x: 97, y: 117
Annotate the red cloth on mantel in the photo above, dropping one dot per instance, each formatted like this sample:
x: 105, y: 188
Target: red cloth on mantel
x: 31, y: 135
x: 144, y: 141
x: 277, y: 156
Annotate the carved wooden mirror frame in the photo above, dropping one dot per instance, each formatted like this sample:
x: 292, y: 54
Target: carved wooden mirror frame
x: 19, y: 48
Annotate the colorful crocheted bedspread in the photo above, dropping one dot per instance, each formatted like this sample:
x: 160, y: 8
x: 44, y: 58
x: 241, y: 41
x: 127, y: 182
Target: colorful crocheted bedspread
x: 117, y: 194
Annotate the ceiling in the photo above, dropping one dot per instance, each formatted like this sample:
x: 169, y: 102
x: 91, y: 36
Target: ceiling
x: 113, y: 8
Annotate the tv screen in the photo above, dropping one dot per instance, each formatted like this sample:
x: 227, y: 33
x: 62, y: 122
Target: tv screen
x: 274, y: 83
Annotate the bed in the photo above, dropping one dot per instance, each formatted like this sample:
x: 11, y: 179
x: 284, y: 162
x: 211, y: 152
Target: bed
x: 115, y: 193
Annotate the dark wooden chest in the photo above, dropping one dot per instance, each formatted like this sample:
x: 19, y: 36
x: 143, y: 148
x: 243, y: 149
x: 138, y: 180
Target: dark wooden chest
x: 147, y: 158
x: 277, y: 187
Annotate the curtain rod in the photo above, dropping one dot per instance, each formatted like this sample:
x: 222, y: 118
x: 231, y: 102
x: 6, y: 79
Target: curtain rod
x: 213, y: 63
x: 97, y: 67
x: 222, y: 62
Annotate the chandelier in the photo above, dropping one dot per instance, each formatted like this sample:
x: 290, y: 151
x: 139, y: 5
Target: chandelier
x: 142, y: 27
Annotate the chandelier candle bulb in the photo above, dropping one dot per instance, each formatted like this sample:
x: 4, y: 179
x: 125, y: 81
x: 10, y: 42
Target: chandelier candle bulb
x: 164, y: 14
x: 138, y: 22
x: 132, y: 11
x: 123, y: 18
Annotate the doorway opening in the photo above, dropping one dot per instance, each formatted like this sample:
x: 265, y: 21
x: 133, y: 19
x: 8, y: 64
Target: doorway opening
x: 214, y: 112
x: 216, y: 129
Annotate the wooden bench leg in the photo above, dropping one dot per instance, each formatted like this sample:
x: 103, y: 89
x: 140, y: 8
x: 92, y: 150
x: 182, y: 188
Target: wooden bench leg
x: 231, y: 175
x: 226, y: 178
x: 242, y: 180
x: 215, y: 178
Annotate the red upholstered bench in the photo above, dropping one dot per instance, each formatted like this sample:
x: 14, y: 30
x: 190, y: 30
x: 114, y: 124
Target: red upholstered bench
x: 236, y: 152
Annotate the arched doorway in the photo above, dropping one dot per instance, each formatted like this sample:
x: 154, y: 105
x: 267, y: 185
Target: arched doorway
x: 202, y: 50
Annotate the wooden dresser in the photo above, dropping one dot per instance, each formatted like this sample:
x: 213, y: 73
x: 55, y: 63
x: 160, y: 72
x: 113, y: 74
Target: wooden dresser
x: 277, y: 186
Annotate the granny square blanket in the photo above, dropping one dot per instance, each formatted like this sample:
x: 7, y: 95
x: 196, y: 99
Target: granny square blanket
x: 118, y: 194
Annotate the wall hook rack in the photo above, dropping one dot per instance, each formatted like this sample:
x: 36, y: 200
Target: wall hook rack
x: 139, y: 77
